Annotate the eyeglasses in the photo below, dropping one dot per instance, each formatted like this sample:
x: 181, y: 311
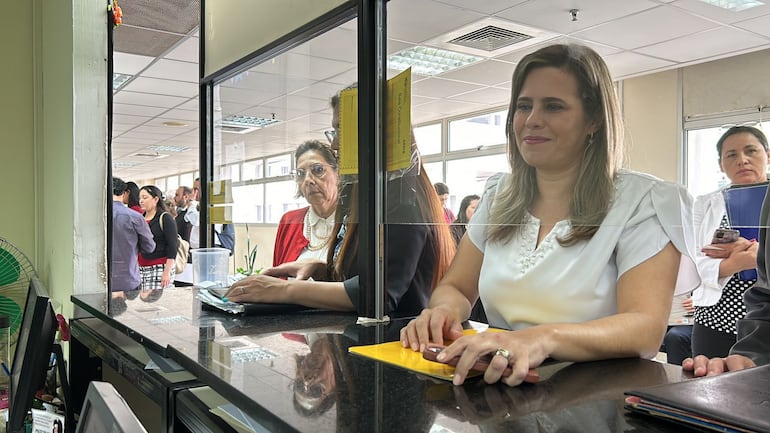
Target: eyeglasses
x: 331, y: 134
x: 318, y: 171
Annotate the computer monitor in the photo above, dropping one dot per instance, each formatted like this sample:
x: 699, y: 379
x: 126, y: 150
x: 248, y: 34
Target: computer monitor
x: 104, y: 410
x: 33, y: 354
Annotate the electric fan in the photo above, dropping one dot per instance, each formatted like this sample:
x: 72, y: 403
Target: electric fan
x: 15, y: 272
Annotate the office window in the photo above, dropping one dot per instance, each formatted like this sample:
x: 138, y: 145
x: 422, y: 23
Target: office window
x: 428, y: 138
x: 186, y: 179
x: 279, y: 199
x: 172, y: 183
x: 435, y: 171
x: 477, y: 132
x: 252, y: 170
x: 279, y: 165
x: 468, y: 176
x: 248, y: 203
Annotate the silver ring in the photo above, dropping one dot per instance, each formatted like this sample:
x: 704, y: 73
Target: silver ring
x: 242, y: 292
x: 504, y: 353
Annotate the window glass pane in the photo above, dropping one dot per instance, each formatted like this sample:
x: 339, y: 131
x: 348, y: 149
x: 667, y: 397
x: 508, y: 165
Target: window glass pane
x: 248, y: 203
x: 428, y: 138
x: 252, y: 170
x: 435, y: 171
x: 186, y: 180
x: 160, y: 183
x: 468, y: 176
x: 280, y: 199
x: 172, y: 183
x: 703, y: 172
x: 478, y: 131
x: 279, y: 166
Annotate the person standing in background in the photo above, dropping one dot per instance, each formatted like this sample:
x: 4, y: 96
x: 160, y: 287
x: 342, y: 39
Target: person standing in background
x: 464, y: 214
x: 132, y: 198
x: 182, y: 199
x: 442, y: 190
x: 130, y: 235
x: 157, y: 267
x: 742, y: 153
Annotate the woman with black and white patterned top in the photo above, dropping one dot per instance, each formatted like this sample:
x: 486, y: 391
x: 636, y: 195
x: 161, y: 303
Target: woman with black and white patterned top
x: 743, y: 157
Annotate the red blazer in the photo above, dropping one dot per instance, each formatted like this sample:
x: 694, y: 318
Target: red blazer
x: 290, y: 239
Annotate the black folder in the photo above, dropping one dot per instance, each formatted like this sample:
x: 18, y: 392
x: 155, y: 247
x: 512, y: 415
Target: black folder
x: 731, y: 402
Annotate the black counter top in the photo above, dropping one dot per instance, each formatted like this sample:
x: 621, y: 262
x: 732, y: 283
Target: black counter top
x: 294, y: 372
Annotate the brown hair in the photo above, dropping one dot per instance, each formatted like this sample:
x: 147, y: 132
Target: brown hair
x: 602, y: 158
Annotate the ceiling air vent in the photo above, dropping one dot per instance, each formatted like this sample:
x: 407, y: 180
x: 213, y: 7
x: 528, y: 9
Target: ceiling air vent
x: 490, y: 38
x: 237, y: 124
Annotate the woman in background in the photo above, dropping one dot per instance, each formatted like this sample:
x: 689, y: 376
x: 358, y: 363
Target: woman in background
x: 157, y: 268
x: 467, y: 208
x: 743, y: 158
x: 132, y: 200
x: 305, y: 233
x: 419, y: 244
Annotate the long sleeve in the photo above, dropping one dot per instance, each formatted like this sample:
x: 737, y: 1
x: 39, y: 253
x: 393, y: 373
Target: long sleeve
x: 754, y: 329
x: 144, y: 236
x: 707, y: 214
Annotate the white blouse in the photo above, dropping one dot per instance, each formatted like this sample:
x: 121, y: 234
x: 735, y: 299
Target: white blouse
x: 523, y: 284
x: 708, y: 212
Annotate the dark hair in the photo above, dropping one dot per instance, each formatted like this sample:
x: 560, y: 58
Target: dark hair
x: 740, y: 130
x: 118, y: 306
x: 441, y: 188
x: 430, y: 209
x: 461, y: 218
x: 133, y: 194
x: 118, y: 186
x: 603, y: 150
x: 186, y: 190
x: 150, y: 295
x: 316, y: 146
x: 155, y: 192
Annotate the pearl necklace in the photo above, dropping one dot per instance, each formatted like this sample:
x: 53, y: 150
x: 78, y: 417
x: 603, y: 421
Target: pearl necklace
x: 315, y: 233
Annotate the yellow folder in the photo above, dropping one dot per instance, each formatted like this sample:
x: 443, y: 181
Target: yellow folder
x: 395, y: 354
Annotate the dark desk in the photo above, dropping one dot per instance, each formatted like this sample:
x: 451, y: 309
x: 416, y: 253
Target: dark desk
x: 307, y: 381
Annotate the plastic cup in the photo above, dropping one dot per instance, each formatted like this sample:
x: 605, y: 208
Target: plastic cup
x: 210, y: 267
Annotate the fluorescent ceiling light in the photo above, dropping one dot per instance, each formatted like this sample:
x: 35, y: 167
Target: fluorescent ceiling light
x: 429, y: 61
x: 236, y: 124
x: 119, y: 80
x: 124, y: 164
x: 734, y: 5
x: 169, y: 148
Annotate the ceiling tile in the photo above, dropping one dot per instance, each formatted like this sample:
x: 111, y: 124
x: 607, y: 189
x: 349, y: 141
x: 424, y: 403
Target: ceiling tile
x: 711, y: 43
x: 759, y: 25
x: 441, y: 88
x: 554, y: 15
x: 136, y: 110
x: 486, y: 72
x: 186, y: 51
x: 486, y: 7
x: 132, y: 64
x: 627, y: 64
x: 720, y: 14
x: 173, y: 70
x: 651, y: 26
x: 408, y: 20
x: 149, y: 99
x: 162, y: 87
x: 489, y: 96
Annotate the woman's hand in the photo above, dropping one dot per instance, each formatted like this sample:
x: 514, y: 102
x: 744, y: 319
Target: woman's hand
x: 304, y: 270
x: 703, y: 366
x: 723, y: 251
x: 433, y: 325
x: 258, y: 288
x: 165, y: 279
x: 525, y: 349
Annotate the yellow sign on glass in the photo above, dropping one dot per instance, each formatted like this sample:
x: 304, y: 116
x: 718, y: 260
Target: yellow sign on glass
x: 398, y: 121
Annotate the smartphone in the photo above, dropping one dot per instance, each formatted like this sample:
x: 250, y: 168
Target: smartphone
x: 219, y: 292
x: 431, y: 353
x: 725, y: 236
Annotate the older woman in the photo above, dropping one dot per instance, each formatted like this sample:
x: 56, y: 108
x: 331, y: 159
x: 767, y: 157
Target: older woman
x: 577, y: 257
x: 157, y: 267
x: 743, y: 157
x: 304, y: 233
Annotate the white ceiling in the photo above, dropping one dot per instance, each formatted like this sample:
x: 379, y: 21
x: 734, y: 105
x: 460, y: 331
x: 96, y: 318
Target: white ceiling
x: 634, y: 36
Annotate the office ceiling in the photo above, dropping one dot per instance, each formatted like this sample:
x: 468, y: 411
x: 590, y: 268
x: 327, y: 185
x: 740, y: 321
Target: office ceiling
x: 157, y: 110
